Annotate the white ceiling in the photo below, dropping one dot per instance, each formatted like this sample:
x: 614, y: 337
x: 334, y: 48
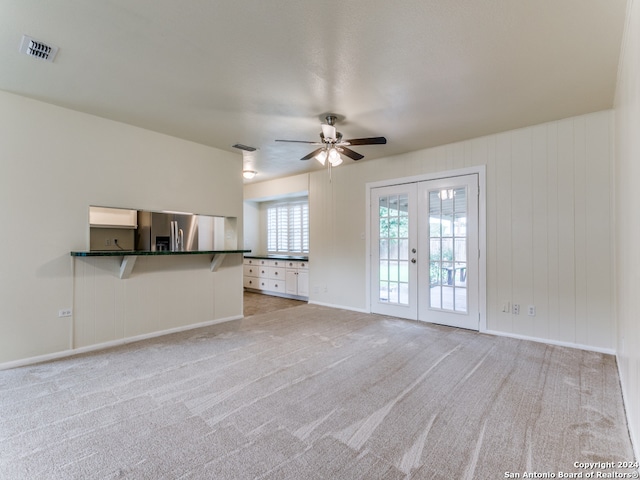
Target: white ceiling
x: 419, y: 72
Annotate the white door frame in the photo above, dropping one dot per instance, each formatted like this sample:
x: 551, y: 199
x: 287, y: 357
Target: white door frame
x: 479, y: 170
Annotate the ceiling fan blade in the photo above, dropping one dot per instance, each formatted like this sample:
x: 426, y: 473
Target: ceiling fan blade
x: 350, y: 153
x: 312, y: 154
x: 367, y: 141
x: 300, y: 141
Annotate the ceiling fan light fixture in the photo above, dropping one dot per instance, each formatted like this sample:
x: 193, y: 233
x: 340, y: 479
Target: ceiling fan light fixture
x: 334, y: 157
x: 249, y: 174
x: 322, y: 157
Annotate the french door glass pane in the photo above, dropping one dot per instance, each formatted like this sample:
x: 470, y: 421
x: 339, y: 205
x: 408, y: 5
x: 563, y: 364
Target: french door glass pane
x: 393, y: 214
x: 448, y: 249
x: 384, y: 248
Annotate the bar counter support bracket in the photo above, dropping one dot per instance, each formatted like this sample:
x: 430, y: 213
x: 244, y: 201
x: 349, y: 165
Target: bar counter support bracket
x: 126, y: 267
x: 217, y: 260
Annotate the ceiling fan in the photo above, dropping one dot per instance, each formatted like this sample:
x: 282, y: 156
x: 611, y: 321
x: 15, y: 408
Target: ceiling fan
x: 332, y: 145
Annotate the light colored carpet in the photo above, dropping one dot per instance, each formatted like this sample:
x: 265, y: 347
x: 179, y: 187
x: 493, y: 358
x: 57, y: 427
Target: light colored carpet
x: 255, y: 303
x: 313, y: 393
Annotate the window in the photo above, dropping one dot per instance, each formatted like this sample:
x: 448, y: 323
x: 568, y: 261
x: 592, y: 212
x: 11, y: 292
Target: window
x: 288, y: 228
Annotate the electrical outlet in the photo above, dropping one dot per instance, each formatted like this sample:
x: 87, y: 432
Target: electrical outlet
x: 65, y: 312
x: 506, y: 307
x: 516, y: 309
x: 107, y: 242
x: 532, y: 310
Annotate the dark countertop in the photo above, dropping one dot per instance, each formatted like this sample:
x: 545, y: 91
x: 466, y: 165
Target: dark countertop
x: 120, y: 253
x: 278, y: 257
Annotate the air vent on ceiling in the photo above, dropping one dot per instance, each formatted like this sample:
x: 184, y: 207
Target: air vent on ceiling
x: 244, y: 147
x: 36, y: 48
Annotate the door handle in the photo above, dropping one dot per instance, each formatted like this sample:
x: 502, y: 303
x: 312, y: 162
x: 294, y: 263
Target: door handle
x: 413, y: 260
x: 413, y: 250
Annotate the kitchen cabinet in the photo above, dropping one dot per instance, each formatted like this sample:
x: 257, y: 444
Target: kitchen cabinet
x: 280, y: 277
x: 297, y: 278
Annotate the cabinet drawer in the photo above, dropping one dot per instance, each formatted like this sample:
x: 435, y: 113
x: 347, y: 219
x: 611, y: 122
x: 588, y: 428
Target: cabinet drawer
x: 277, y: 263
x: 263, y: 272
x: 296, y: 264
x: 251, y: 282
x: 250, y: 270
x: 255, y: 261
x: 276, y: 273
x: 277, y: 285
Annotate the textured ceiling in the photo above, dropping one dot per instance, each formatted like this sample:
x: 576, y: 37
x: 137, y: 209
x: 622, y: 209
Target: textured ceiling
x: 420, y: 72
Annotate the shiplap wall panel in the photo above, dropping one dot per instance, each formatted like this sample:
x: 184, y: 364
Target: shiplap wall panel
x: 493, y: 299
x: 580, y: 226
x: 566, y: 234
x: 551, y: 230
x: 521, y: 227
x: 540, y: 231
x: 553, y: 251
x: 599, y: 225
x: 503, y: 235
x: 627, y: 221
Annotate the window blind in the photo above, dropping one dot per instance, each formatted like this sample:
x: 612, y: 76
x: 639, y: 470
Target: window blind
x: 288, y: 228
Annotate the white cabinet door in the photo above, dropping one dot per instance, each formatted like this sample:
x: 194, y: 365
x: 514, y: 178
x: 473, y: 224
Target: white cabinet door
x: 292, y: 282
x: 303, y: 282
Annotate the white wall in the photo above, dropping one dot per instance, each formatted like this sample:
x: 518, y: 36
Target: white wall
x: 55, y: 163
x: 549, y: 230
x: 252, y: 238
x: 277, y: 188
x: 257, y: 195
x: 627, y: 212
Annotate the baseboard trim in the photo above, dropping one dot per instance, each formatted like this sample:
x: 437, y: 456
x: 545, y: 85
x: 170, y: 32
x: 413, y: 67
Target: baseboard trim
x: 276, y: 294
x: 590, y: 348
x: 635, y: 442
x: 341, y: 307
x: 114, y: 343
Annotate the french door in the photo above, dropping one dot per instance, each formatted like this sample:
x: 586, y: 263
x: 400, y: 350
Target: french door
x: 424, y: 251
